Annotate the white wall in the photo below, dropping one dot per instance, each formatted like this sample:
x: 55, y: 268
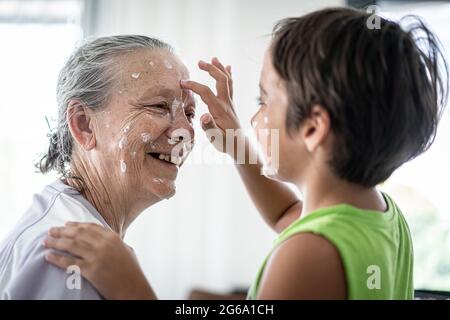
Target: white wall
x: 209, y: 234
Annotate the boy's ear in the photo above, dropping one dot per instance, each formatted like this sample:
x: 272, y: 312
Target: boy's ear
x: 315, y: 128
x: 80, y: 124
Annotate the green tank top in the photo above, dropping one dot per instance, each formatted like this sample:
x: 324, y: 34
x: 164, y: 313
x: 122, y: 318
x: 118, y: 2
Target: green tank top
x: 375, y: 249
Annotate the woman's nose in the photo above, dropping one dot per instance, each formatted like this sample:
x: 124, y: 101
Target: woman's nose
x: 181, y: 129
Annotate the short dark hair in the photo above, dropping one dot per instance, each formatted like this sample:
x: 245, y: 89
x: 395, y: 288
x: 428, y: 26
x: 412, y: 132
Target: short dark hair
x: 384, y: 89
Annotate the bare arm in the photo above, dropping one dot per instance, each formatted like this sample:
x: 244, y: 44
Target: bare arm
x: 305, y: 266
x: 278, y: 205
x: 103, y: 258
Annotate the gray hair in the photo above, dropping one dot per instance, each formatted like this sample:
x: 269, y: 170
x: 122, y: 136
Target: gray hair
x: 88, y: 76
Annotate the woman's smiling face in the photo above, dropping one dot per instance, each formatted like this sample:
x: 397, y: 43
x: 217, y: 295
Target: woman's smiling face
x: 145, y: 131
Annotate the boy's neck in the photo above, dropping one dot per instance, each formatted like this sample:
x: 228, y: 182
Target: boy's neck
x: 322, y: 190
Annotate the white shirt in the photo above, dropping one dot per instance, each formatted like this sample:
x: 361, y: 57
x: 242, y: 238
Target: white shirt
x: 24, y: 272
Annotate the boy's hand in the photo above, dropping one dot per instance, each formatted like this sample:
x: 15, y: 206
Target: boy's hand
x: 222, y: 115
x: 103, y: 258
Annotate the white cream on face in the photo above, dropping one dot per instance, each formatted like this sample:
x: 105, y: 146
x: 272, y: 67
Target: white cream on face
x: 122, y: 142
x: 145, y: 128
x: 158, y: 180
x: 266, y: 120
x: 168, y: 64
x: 123, y: 166
x: 176, y: 104
x: 153, y: 146
x: 146, y: 137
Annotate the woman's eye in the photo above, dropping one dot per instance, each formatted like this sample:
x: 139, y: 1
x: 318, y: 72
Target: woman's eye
x: 190, y: 115
x: 159, y: 108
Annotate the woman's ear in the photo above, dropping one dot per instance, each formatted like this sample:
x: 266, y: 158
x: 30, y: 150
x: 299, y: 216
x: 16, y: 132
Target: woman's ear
x: 315, y: 129
x: 80, y: 124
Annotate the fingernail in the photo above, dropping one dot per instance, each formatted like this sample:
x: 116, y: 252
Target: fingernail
x: 44, y: 243
x: 183, y: 81
x: 206, y: 119
x: 202, y: 63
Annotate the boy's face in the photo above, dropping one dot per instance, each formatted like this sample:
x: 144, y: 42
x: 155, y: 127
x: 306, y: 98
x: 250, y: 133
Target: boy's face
x: 270, y: 120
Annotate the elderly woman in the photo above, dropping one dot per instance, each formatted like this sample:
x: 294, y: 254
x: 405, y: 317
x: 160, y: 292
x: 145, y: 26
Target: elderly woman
x: 124, y: 128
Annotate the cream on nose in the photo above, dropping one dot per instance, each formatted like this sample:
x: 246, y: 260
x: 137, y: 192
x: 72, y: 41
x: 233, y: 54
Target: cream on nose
x: 181, y: 130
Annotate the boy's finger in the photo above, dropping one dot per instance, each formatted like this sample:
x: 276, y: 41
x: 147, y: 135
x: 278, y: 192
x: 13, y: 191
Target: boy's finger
x: 71, y: 246
x: 220, y: 77
x: 80, y: 232
x: 213, y: 133
x: 207, y: 122
x: 205, y: 93
x: 62, y: 262
x: 215, y: 61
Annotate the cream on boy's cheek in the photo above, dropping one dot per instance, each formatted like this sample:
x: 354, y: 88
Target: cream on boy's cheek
x: 262, y: 128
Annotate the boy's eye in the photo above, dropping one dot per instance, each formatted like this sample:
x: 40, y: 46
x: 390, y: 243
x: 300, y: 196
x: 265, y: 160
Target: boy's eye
x: 260, y: 101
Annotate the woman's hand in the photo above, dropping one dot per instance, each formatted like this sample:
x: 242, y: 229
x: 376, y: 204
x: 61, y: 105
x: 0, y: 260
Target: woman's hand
x: 103, y: 258
x: 222, y: 116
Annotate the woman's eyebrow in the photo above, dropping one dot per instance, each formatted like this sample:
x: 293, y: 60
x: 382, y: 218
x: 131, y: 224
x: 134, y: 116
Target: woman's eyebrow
x: 157, y: 92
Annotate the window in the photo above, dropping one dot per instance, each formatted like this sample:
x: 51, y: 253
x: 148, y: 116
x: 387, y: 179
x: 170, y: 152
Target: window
x: 420, y: 187
x: 36, y: 38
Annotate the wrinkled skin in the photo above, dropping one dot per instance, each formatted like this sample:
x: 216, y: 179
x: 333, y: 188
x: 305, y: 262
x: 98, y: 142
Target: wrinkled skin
x: 147, y: 112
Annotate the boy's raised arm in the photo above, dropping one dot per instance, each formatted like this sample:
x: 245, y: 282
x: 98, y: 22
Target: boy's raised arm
x: 278, y: 205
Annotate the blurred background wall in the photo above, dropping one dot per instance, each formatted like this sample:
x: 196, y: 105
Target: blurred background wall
x: 209, y: 234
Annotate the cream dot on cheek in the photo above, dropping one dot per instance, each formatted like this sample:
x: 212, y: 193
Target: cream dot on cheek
x: 135, y: 75
x: 146, y: 137
x: 166, y: 188
x: 176, y: 104
x: 153, y: 146
x: 123, y: 166
x: 266, y: 120
x: 122, y: 142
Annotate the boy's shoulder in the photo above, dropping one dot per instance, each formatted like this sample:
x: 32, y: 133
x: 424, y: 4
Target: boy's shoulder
x: 305, y: 266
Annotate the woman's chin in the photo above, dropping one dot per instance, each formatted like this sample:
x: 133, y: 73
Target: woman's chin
x: 163, y: 188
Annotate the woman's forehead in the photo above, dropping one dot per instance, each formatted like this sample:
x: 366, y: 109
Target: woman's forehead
x: 151, y: 69
x: 157, y: 61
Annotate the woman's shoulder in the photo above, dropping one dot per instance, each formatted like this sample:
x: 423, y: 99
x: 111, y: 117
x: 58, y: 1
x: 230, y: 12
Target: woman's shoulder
x: 51, y: 207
